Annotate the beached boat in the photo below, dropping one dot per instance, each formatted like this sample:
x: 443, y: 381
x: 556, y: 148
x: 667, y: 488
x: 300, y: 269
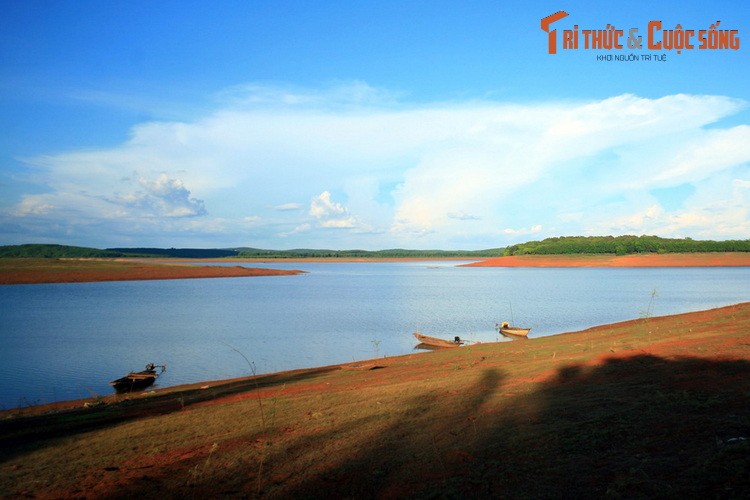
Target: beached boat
x: 506, y: 329
x: 136, y: 381
x: 436, y: 342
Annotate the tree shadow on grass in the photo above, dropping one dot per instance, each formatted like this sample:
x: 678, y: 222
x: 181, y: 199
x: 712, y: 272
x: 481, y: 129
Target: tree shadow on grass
x: 421, y: 442
x: 638, y: 427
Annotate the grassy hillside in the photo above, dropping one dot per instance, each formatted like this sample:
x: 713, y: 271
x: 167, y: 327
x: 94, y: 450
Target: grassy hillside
x: 44, y: 251
x: 623, y: 245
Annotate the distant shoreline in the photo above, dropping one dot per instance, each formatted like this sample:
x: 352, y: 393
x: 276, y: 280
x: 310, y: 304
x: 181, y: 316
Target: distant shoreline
x: 31, y: 271
x: 704, y: 259
x: 37, y: 271
x: 267, y: 260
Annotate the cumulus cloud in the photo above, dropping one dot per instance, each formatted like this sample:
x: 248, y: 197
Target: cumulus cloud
x: 718, y: 209
x: 161, y: 196
x: 329, y: 213
x: 405, y: 174
x: 638, y: 221
x: 164, y: 196
x: 492, y: 164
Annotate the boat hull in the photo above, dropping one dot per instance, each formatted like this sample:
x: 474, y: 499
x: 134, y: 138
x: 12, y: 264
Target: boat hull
x: 515, y: 332
x: 137, y: 381
x: 435, y: 342
x: 134, y: 381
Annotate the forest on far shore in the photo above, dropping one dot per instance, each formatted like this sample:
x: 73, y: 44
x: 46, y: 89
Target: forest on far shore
x: 624, y: 245
x: 53, y: 251
x: 565, y: 245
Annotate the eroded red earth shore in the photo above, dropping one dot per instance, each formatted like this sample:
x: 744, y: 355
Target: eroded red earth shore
x: 32, y: 271
x: 728, y: 259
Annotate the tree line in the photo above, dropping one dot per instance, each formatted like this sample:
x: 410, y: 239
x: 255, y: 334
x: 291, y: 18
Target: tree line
x: 619, y: 245
x: 366, y: 254
x: 51, y: 251
x: 73, y: 252
x: 624, y: 245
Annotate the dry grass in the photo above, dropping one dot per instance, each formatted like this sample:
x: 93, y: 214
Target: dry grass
x: 651, y: 407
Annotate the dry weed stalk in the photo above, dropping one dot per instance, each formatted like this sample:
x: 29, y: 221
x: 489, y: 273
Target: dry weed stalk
x: 260, y: 406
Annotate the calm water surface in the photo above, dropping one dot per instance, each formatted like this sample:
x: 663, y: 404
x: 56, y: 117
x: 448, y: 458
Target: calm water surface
x: 66, y: 341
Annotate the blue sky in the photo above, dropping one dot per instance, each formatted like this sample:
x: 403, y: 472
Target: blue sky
x: 369, y: 124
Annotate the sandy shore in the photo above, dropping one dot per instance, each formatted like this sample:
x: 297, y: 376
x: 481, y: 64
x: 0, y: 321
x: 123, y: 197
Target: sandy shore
x: 733, y: 259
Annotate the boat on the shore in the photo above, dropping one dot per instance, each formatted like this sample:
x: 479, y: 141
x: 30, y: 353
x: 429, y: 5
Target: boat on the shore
x: 506, y: 329
x: 436, y: 342
x: 136, y: 381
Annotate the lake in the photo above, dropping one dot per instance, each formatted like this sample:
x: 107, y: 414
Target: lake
x: 67, y: 341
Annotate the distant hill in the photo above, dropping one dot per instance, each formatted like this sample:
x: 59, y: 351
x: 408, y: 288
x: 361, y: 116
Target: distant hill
x: 356, y: 254
x: 44, y: 251
x: 71, y: 252
x: 181, y: 253
x: 623, y: 245
x: 63, y: 251
x: 618, y: 245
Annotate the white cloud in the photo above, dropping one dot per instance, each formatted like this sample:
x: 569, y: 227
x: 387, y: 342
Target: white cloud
x: 285, y: 207
x: 353, y: 93
x: 330, y: 214
x: 302, y: 228
x: 719, y: 209
x: 165, y: 196
x: 491, y: 169
x: 638, y: 222
x: 463, y: 216
x: 713, y: 151
x: 410, y: 175
x: 141, y: 197
x: 523, y: 231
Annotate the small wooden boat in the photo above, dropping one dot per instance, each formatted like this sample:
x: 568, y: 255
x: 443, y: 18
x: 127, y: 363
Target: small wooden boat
x: 506, y: 329
x: 136, y: 381
x: 435, y: 342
